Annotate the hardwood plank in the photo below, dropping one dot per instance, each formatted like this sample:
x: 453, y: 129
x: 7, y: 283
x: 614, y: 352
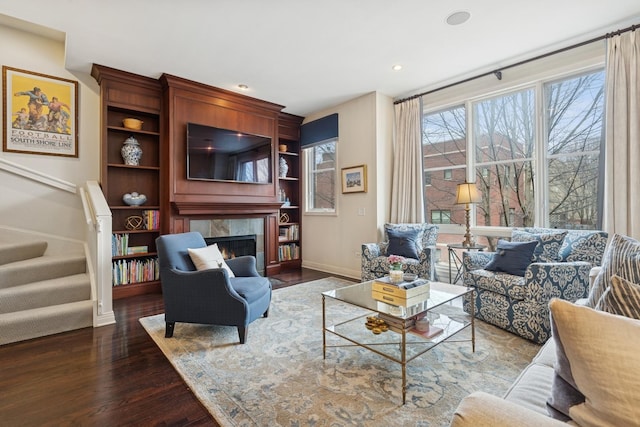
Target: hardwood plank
x: 114, y: 375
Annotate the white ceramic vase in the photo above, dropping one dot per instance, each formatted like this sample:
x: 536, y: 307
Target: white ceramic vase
x: 284, y: 168
x: 131, y: 152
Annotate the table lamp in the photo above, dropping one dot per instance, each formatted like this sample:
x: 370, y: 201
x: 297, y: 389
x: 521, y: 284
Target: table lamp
x: 466, y: 194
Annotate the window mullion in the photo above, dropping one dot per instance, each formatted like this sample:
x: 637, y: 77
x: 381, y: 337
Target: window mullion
x: 540, y: 197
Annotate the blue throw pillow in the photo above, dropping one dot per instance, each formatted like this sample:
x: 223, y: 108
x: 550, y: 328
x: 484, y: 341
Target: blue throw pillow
x: 512, y: 257
x: 403, y: 243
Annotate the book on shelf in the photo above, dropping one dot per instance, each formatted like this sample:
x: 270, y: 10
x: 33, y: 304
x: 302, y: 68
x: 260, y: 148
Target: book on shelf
x: 119, y: 244
x: 151, y: 218
x: 134, y: 250
x: 289, y: 232
x: 126, y: 272
x: 288, y: 252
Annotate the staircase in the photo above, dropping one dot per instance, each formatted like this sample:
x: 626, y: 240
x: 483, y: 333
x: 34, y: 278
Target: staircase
x: 41, y: 293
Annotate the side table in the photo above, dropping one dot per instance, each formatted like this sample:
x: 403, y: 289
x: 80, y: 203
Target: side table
x: 457, y: 260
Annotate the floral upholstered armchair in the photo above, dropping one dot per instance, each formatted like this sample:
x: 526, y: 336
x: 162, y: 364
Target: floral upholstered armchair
x: 415, y: 242
x: 558, y: 268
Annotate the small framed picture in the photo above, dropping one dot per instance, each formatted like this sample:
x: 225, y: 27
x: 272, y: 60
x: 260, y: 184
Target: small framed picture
x: 40, y: 113
x: 354, y: 179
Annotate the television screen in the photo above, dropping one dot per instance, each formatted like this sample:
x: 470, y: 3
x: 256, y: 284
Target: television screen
x: 215, y: 154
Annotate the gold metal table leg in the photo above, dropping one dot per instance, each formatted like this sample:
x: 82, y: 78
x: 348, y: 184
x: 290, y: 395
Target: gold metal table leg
x: 404, y: 366
x: 324, y: 330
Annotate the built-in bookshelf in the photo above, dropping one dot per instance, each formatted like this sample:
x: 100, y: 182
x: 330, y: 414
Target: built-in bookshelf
x: 135, y: 227
x: 289, y: 192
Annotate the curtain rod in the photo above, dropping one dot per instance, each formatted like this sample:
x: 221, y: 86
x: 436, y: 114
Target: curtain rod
x: 498, y: 72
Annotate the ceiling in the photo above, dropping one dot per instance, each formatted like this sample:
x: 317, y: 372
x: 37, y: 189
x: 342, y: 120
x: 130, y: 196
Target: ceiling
x: 311, y: 55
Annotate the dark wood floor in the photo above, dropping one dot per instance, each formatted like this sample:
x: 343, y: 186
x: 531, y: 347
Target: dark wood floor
x: 109, y: 376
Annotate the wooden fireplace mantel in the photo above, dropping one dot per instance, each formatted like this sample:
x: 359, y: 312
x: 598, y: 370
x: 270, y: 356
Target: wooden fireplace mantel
x: 226, y: 209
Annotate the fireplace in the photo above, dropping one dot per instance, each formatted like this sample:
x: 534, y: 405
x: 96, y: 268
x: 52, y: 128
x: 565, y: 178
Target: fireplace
x: 234, y: 246
x: 249, y: 231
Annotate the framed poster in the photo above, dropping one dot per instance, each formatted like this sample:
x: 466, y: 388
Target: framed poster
x: 40, y: 113
x: 354, y: 179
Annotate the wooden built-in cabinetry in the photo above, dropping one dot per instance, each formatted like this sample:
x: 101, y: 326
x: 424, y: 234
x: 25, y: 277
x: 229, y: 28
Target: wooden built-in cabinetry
x: 289, y: 192
x: 166, y: 106
x: 126, y: 95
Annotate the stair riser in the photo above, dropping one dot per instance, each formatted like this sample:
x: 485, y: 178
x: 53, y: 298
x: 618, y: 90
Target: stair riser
x: 21, y: 251
x: 41, y: 322
x: 12, y: 275
x: 26, y: 297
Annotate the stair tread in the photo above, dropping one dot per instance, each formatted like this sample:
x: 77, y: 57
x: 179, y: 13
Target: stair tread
x: 24, y: 314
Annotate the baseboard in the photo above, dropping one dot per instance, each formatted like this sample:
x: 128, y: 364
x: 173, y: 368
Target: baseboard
x: 353, y: 274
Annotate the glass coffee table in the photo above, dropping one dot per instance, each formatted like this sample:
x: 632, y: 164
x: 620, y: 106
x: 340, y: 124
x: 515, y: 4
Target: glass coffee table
x: 397, y: 338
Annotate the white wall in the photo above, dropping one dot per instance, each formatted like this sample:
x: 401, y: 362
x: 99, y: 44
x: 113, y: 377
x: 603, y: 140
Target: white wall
x: 28, y: 204
x: 332, y: 243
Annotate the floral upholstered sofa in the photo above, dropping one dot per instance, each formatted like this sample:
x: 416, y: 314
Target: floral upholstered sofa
x: 560, y: 267
x: 415, y: 242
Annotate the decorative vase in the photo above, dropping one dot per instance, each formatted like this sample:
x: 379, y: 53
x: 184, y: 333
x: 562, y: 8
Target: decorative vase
x: 284, y: 167
x: 395, y: 275
x: 131, y: 152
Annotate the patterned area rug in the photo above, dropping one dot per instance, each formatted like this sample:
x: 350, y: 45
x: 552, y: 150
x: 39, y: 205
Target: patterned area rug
x: 279, y: 378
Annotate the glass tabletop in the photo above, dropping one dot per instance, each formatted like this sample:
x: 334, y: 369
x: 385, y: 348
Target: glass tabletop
x: 361, y: 295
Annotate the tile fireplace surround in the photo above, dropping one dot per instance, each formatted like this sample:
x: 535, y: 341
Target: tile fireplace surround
x: 234, y: 227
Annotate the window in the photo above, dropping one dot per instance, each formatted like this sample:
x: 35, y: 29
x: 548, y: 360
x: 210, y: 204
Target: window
x: 427, y: 178
x: 535, y: 165
x: 441, y: 217
x: 321, y: 177
x: 444, y: 150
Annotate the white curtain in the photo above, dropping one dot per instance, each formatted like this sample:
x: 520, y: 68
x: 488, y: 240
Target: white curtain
x: 622, y: 170
x: 406, y: 186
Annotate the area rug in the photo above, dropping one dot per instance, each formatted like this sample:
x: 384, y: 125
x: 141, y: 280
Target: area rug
x: 279, y: 377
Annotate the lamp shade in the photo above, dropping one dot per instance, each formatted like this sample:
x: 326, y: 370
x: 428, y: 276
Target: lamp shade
x: 468, y: 193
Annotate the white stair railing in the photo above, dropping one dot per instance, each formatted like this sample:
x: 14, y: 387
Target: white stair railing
x: 98, y: 219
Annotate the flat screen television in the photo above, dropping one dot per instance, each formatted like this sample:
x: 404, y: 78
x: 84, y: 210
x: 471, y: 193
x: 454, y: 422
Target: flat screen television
x: 215, y: 154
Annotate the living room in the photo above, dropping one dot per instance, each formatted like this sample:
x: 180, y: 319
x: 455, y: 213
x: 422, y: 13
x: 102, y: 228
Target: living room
x: 365, y: 135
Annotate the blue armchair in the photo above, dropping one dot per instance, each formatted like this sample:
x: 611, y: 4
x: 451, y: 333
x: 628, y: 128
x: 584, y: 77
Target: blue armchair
x: 209, y: 296
x: 374, y: 255
x: 562, y: 262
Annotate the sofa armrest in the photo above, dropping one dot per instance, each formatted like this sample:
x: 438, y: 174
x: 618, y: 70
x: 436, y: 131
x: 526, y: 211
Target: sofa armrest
x: 481, y: 409
x: 475, y: 260
x: 373, y: 250
x: 565, y: 280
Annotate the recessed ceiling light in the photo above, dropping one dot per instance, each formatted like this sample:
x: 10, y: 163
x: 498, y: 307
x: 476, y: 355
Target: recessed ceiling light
x: 457, y: 18
x: 243, y: 87
x: 397, y: 67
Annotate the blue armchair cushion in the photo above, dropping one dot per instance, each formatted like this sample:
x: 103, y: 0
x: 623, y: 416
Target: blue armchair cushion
x: 403, y: 243
x: 512, y: 257
x: 548, y: 247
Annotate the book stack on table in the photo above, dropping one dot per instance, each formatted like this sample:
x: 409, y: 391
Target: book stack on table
x: 403, y: 294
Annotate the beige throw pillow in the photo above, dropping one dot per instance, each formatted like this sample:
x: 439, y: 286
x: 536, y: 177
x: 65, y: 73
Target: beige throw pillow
x: 208, y: 258
x: 604, y: 354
